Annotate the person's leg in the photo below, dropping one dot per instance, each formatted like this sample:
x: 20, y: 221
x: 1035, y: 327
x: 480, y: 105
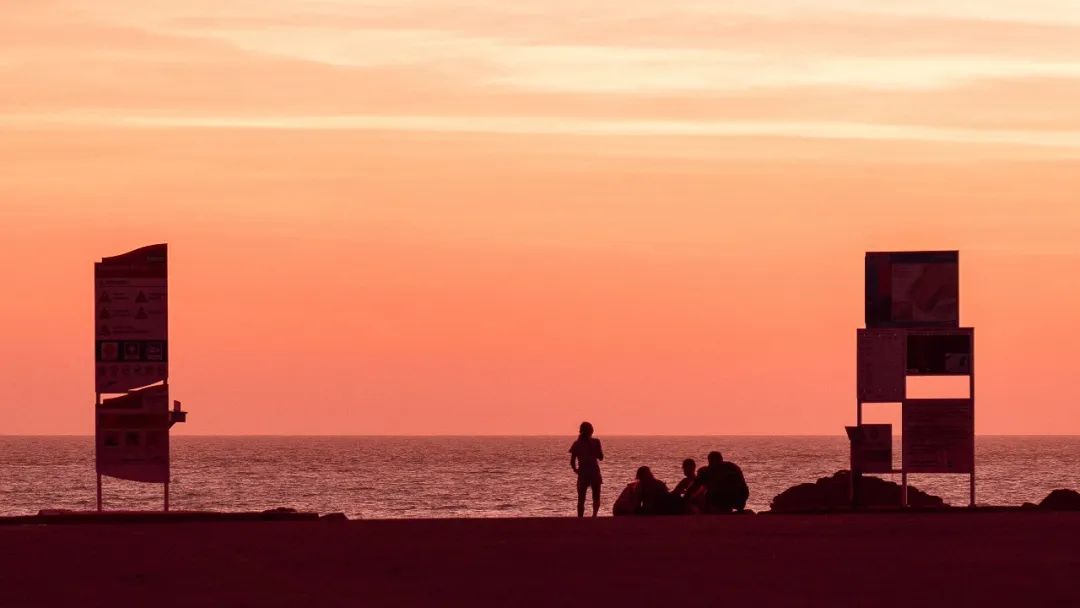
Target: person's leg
x: 581, y: 487
x: 595, y: 498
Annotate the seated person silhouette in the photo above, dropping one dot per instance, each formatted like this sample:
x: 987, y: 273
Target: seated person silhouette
x: 724, y: 485
x: 655, y: 499
x: 689, y: 469
x: 686, y: 502
x: 646, y: 495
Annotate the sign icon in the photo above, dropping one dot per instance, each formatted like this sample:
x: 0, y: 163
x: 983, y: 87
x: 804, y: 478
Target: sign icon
x: 110, y: 351
x: 132, y: 352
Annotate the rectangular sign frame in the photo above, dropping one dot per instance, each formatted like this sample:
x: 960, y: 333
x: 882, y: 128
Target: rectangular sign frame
x: 131, y: 320
x: 938, y: 436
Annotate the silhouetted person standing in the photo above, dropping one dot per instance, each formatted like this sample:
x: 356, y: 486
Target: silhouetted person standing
x: 585, y: 457
x: 725, y: 486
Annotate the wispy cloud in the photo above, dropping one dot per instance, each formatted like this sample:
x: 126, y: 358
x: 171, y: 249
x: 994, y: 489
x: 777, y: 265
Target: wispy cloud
x: 814, y: 69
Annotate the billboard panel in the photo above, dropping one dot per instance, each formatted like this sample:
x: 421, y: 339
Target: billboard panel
x: 913, y: 289
x: 132, y: 435
x: 938, y: 435
x: 131, y: 320
x: 881, y: 365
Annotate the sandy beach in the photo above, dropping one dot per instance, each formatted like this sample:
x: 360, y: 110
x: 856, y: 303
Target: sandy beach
x: 957, y: 559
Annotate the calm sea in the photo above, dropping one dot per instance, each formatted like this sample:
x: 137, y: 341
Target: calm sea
x: 392, y: 477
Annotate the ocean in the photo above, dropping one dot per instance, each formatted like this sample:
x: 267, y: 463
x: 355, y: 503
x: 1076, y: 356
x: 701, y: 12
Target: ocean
x: 426, y: 477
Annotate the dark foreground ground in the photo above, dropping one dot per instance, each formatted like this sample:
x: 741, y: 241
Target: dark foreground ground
x: 959, y: 559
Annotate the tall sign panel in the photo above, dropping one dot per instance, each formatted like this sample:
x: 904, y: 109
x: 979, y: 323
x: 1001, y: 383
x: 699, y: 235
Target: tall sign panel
x: 131, y: 312
x: 131, y: 360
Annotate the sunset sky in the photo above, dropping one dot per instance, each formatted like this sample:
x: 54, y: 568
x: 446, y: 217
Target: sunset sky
x: 504, y: 217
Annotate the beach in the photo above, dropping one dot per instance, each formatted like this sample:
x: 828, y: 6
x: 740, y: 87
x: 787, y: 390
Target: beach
x: 882, y: 559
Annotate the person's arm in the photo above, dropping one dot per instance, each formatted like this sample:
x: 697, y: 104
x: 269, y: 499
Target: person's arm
x: 599, y: 450
x: 693, y: 487
x: 573, y: 461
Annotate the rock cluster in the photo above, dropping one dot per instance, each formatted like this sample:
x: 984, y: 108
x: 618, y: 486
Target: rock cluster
x: 1061, y: 500
x: 833, y: 493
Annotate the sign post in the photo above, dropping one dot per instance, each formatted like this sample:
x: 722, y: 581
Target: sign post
x: 131, y: 353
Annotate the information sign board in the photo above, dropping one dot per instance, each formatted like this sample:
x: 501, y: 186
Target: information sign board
x: 132, y: 435
x: 938, y: 435
x: 131, y: 320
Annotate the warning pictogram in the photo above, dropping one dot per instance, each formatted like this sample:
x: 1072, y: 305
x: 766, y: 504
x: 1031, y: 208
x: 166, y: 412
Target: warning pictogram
x: 104, y: 299
x: 141, y: 314
x: 141, y: 298
x: 105, y: 314
x: 104, y: 331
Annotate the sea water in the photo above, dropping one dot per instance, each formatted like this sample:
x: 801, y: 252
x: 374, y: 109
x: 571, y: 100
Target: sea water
x: 396, y: 477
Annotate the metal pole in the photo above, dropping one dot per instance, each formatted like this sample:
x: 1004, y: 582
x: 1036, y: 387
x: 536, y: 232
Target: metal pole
x: 166, y: 497
x: 97, y: 403
x: 971, y: 395
x: 854, y: 489
x: 903, y: 488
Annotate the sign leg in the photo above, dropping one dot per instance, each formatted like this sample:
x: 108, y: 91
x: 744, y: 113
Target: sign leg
x: 166, y: 497
x: 973, y: 488
x: 903, y: 489
x: 99, y: 492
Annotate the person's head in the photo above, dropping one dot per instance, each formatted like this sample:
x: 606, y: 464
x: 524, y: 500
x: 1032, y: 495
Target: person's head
x: 715, y: 458
x: 688, y: 467
x: 644, y: 474
x: 585, y: 430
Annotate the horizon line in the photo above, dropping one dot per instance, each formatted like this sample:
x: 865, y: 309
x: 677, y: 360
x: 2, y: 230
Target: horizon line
x: 512, y: 435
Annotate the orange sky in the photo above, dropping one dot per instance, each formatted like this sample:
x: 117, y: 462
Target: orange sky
x: 504, y: 217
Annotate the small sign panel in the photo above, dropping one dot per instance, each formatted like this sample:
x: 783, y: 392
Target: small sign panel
x: 881, y: 361
x: 913, y: 289
x: 939, y: 353
x: 131, y: 319
x: 132, y: 435
x: 939, y: 436
x: 871, y: 448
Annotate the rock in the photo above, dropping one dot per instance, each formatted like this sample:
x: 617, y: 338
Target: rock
x: 337, y: 517
x: 833, y: 493
x: 1061, y: 500
x: 280, y: 510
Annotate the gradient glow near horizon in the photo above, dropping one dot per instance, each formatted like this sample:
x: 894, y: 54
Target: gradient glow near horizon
x: 483, y: 217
